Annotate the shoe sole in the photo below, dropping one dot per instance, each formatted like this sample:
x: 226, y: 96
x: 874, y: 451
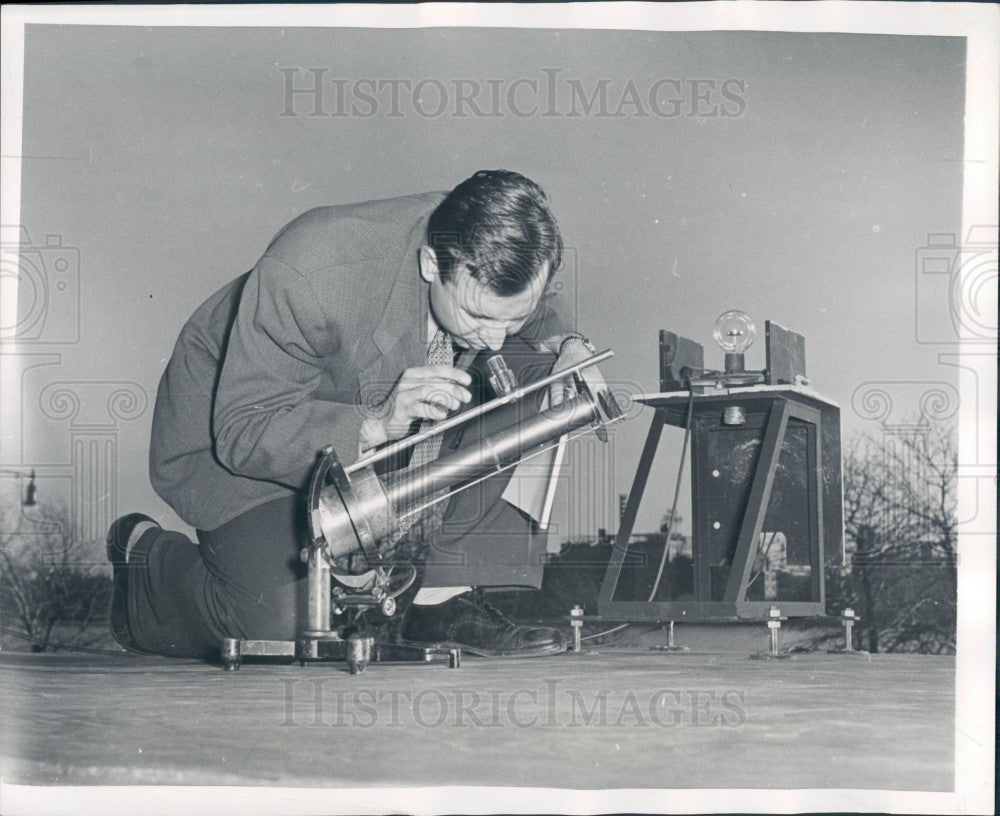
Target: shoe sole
x: 117, y: 612
x: 118, y: 606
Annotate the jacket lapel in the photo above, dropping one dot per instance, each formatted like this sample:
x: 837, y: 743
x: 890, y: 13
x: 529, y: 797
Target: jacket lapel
x: 400, y: 332
x: 399, y: 335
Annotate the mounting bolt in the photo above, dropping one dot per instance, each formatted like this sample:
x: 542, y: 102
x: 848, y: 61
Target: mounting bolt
x: 230, y: 654
x: 847, y: 620
x: 359, y: 653
x: 576, y: 615
x: 774, y: 619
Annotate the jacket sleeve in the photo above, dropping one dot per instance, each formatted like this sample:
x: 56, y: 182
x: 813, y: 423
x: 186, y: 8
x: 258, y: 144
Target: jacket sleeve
x: 268, y: 421
x: 544, y: 324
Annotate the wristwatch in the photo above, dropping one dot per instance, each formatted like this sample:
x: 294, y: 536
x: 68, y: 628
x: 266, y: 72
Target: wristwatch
x: 576, y: 336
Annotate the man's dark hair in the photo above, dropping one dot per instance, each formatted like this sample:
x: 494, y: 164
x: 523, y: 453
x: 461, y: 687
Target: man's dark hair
x: 499, y: 226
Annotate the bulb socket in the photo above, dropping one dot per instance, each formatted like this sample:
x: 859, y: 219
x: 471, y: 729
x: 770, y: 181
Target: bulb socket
x: 735, y: 363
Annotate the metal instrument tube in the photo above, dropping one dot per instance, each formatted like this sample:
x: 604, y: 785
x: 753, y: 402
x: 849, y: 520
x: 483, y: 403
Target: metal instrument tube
x: 319, y: 595
x: 369, y: 517
x: 491, y: 453
x: 444, y: 495
x: 472, y: 413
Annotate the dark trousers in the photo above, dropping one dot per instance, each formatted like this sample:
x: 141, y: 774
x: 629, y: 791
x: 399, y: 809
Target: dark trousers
x: 245, y: 579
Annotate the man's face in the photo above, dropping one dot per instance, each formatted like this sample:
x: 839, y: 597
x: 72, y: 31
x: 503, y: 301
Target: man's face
x: 475, y: 317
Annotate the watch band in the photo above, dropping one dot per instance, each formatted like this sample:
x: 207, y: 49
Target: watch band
x: 576, y: 336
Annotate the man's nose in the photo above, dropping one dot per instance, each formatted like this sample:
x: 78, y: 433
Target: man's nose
x: 494, y: 339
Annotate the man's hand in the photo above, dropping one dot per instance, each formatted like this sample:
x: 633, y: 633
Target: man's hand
x: 424, y: 392
x: 574, y: 350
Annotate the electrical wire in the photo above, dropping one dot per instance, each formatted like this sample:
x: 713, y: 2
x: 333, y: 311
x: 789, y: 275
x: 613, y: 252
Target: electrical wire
x: 677, y: 493
x: 64, y: 646
x: 635, y: 631
x: 606, y: 632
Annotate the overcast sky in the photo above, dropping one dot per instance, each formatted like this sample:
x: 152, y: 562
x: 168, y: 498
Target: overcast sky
x: 795, y: 176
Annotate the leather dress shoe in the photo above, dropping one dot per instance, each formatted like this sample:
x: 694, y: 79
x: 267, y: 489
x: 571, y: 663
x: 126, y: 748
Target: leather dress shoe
x: 468, y: 623
x: 118, y: 551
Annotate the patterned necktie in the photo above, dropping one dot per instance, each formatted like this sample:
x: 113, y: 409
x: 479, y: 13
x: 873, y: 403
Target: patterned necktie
x: 439, y: 352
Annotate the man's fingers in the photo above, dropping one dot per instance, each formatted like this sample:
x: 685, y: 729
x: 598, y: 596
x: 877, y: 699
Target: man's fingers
x: 560, y: 391
x: 442, y: 391
x: 440, y: 372
x: 445, y: 395
x: 424, y: 389
x: 436, y: 412
x: 594, y: 379
x: 555, y: 394
x: 429, y: 409
x: 439, y: 400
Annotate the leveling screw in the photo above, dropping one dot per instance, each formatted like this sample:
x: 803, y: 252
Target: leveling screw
x: 847, y: 620
x: 576, y: 615
x: 774, y: 620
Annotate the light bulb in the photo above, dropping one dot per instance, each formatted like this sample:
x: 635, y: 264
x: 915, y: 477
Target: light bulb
x: 734, y: 331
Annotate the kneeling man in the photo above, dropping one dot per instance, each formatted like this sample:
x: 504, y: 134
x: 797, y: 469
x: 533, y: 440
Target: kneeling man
x: 346, y: 332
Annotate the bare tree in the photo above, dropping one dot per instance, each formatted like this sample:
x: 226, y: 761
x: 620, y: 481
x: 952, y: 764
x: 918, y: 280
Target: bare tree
x: 901, y: 526
x: 51, y: 589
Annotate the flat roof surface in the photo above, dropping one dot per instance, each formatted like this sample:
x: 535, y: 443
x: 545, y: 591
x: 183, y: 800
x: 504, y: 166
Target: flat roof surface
x: 608, y: 718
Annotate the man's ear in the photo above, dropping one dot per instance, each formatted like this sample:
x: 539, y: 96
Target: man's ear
x: 428, y: 264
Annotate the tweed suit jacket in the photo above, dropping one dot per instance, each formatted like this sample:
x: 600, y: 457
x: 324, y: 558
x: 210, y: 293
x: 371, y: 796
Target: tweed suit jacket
x: 288, y: 358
